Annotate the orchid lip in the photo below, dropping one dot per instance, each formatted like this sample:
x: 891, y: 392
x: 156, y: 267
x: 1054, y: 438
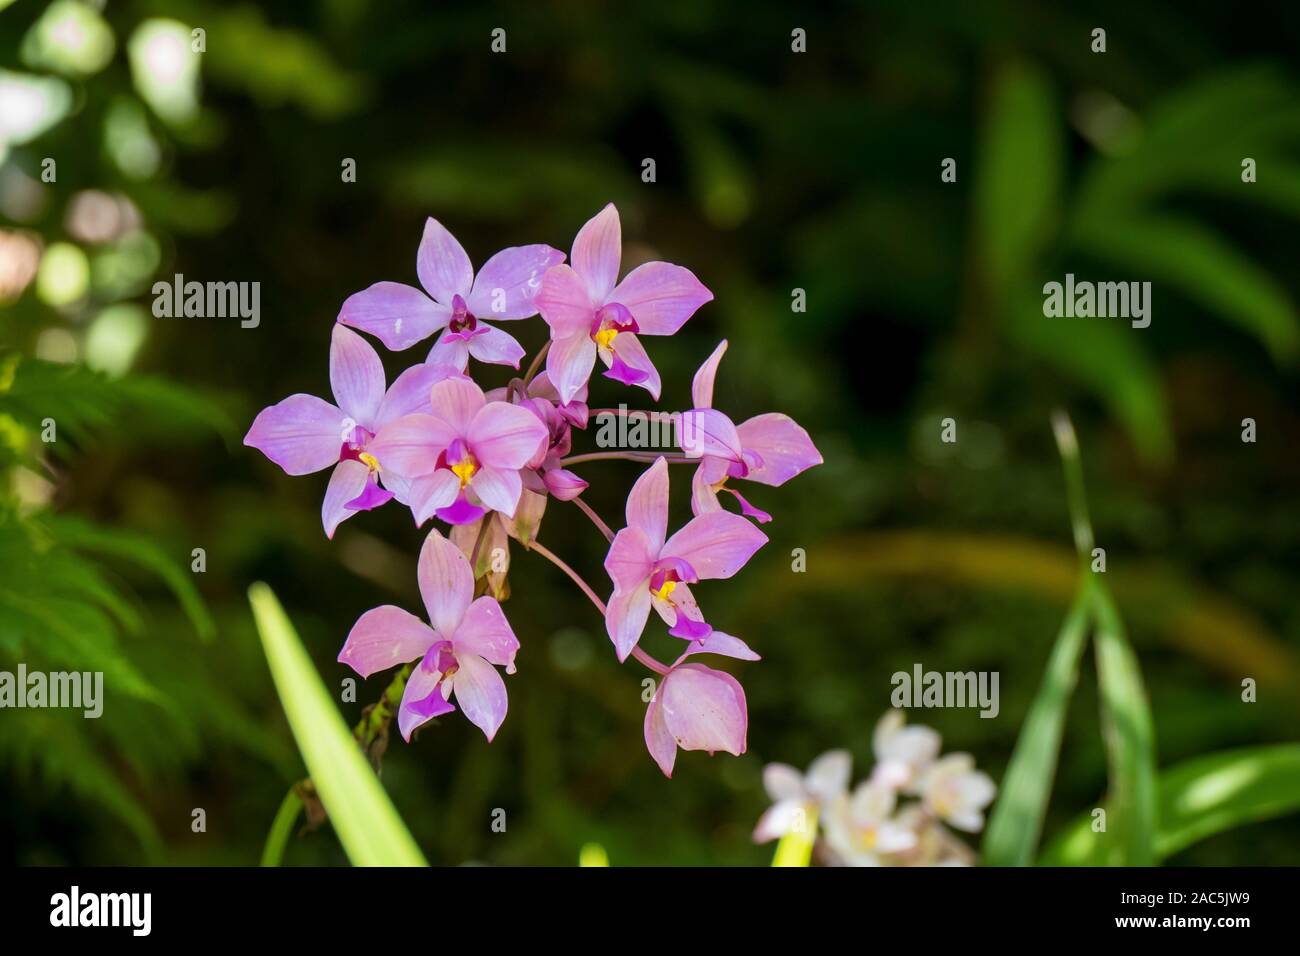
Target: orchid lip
x: 690, y: 629
x: 462, y: 319
x: 611, y: 319
x: 671, y: 571
x: 460, y: 511
x: 459, y: 460
x: 372, y: 496
x: 353, y: 447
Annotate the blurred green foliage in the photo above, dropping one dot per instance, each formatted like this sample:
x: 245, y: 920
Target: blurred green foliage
x: 776, y: 171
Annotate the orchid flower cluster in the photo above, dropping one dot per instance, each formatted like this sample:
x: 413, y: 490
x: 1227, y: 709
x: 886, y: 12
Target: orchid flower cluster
x: 867, y: 826
x: 485, y: 463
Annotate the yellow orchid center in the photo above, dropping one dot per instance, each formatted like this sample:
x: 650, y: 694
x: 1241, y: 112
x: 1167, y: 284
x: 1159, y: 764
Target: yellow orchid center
x: 465, y: 469
x: 867, y: 838
x: 605, y: 337
x: 667, y: 588
x: 369, y: 460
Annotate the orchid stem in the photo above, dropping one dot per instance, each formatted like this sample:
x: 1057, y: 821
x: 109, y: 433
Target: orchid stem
x: 649, y: 661
x: 535, y: 365
x: 626, y: 456
x: 595, y: 519
x: 574, y: 576
x: 621, y: 410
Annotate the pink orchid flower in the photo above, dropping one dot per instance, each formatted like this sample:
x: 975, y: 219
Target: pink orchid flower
x: 699, y: 708
x: 456, y: 301
x: 305, y: 434
x: 456, y: 654
x: 589, y: 315
x: 462, y: 458
x: 649, y: 571
x: 543, y: 474
x: 769, y: 449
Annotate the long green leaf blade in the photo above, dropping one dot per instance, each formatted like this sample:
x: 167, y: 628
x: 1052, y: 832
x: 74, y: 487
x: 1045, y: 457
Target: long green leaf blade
x: 1201, y: 797
x: 1129, y: 735
x: 1017, y: 819
x: 368, y: 826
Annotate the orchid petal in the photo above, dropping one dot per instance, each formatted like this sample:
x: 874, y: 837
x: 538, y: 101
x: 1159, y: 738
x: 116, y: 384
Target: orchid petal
x: 396, y: 314
x: 442, y: 264
x: 505, y: 436
x: 630, y: 560
x: 422, y: 699
x: 717, y: 544
x: 495, y: 347
x: 783, y: 445
x: 508, y: 282
x: 783, y: 782
x: 431, y: 493
x: 564, y: 302
x: 647, y: 505
x: 384, y: 637
x: 301, y: 434
x: 498, y: 488
x: 597, y: 249
x: 625, y: 618
x: 702, y: 384
x: 661, y: 296
x: 569, y: 362
x: 446, y: 583
x: 828, y: 775
x: 628, y: 349
x: 356, y: 375
x: 703, y: 498
x: 411, y: 444
x: 563, y: 484
x: 346, y: 483
x: 704, y: 709
x: 456, y: 401
x: 780, y: 818
x: 409, y: 393
x: 724, y: 645
x: 481, y: 693
x: 707, y: 431
x: 486, y: 632
x: 658, y: 740
x: 449, y: 350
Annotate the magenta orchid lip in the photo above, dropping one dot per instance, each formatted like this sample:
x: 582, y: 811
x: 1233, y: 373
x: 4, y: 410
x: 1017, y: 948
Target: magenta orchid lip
x: 486, y: 462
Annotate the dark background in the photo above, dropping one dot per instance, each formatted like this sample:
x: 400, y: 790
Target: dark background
x: 775, y: 170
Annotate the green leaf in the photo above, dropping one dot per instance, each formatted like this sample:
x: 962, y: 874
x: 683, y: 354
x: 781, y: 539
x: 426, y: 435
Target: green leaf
x: 1105, y: 358
x: 79, y: 534
x: 1199, y: 798
x: 368, y: 826
x: 1188, y: 256
x: 1017, y: 818
x: 1018, y: 183
x: 1130, y: 741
